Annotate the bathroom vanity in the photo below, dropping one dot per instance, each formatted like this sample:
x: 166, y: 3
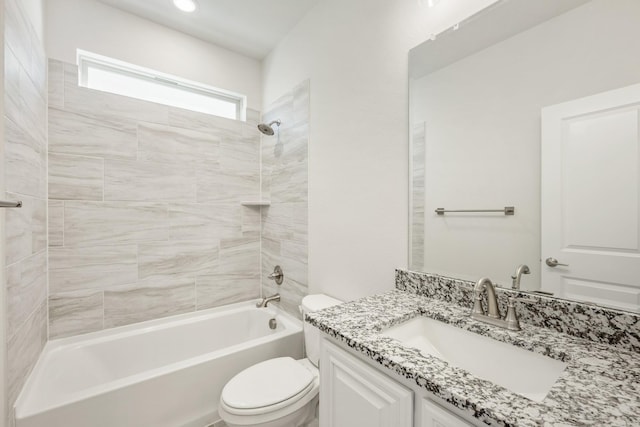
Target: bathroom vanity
x: 585, y: 368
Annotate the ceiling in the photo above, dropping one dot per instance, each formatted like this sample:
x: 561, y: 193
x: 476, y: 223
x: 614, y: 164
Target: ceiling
x: 250, y: 27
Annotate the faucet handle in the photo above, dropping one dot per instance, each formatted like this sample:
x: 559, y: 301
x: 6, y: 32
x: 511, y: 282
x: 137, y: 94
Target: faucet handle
x: 277, y: 275
x: 513, y: 322
x: 477, y: 305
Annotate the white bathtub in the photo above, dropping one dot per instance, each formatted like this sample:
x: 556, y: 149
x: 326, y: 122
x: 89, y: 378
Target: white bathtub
x: 163, y: 373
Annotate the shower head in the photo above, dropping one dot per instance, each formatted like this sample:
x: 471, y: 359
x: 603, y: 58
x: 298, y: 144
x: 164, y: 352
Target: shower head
x: 267, y: 129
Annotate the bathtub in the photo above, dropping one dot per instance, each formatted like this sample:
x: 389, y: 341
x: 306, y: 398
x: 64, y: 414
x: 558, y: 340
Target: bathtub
x: 162, y: 373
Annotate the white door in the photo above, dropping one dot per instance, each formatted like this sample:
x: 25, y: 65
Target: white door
x: 352, y: 394
x: 590, y: 199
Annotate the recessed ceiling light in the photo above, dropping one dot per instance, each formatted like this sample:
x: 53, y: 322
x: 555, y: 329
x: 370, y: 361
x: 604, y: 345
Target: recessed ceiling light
x: 185, y: 5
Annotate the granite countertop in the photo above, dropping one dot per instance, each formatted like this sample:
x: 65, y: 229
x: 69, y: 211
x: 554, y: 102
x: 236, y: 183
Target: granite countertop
x: 599, y: 387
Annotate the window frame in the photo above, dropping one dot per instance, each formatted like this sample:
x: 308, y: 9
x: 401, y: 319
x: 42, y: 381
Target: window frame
x: 86, y: 59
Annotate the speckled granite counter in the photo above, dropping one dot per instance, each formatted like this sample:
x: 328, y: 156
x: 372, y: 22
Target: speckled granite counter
x: 599, y: 387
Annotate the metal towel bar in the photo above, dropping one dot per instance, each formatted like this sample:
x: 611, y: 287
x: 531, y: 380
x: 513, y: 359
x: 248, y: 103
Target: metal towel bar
x: 508, y: 210
x: 4, y: 204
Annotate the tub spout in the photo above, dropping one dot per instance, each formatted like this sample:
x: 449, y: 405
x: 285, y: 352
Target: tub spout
x: 267, y: 300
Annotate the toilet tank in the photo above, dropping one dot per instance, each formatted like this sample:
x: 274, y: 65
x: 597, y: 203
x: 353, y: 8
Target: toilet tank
x: 309, y: 304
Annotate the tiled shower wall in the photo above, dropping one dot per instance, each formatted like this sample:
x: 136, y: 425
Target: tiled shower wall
x: 285, y: 182
x: 145, y: 215
x: 418, y: 196
x: 25, y: 174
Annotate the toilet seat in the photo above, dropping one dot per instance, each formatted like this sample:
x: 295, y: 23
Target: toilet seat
x: 268, y: 386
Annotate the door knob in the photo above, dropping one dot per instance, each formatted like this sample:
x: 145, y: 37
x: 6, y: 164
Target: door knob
x: 552, y: 262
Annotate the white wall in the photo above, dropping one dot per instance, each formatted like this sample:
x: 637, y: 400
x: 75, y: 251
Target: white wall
x: 355, y: 54
x: 96, y: 27
x: 3, y: 241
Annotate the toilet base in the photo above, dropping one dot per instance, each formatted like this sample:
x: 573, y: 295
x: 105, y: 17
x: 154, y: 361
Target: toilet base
x: 299, y: 418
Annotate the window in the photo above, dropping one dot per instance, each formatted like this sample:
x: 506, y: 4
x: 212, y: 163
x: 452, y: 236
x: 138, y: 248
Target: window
x: 110, y: 75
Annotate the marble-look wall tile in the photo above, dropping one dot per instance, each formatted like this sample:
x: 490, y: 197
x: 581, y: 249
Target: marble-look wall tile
x: 223, y: 186
x: 204, y: 221
x: 26, y: 228
x: 239, y: 256
x: 85, y: 135
x: 285, y: 221
x: 75, y: 313
x: 186, y: 259
x: 240, y: 155
x: 151, y: 299
x: 149, y: 181
x: 56, y: 84
x: 24, y: 170
x: 23, y: 350
x: 39, y: 68
x: 17, y: 32
x: 285, y: 183
x: 98, y: 267
x: 295, y: 267
x: 34, y: 108
x: 109, y: 223
x: 418, y: 150
x: 23, y: 162
x: 221, y: 289
x: 215, y: 126
x: 56, y: 223
x: 12, y: 98
x: 167, y: 213
x: 235, y: 278
x: 167, y: 144
x: 75, y: 177
x: 26, y: 289
x: 237, y: 176
x: 25, y: 105
x: 39, y: 225
x: 251, y: 221
x: 19, y: 233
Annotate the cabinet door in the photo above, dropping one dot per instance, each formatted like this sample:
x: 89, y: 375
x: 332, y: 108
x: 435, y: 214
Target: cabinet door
x: 436, y: 416
x: 353, y: 394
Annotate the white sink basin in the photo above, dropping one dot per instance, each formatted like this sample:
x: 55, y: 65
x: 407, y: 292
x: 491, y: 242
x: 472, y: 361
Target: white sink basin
x: 521, y: 371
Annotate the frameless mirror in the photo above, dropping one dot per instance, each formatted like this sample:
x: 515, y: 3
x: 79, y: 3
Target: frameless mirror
x: 532, y: 105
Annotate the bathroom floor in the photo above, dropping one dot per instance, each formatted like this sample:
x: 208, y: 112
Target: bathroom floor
x: 314, y: 423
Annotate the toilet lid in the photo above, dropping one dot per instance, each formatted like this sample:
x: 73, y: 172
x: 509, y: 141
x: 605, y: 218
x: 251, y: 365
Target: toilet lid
x: 267, y: 383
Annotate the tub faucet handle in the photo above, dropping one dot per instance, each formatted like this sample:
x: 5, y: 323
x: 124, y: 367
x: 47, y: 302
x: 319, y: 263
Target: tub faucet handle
x: 277, y: 275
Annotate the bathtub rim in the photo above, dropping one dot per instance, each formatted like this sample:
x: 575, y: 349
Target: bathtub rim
x: 291, y: 325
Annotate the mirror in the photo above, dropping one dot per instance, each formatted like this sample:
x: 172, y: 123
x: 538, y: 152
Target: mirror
x: 530, y: 105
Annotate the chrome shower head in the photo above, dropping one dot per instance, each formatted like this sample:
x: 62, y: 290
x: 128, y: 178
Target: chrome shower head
x: 267, y: 129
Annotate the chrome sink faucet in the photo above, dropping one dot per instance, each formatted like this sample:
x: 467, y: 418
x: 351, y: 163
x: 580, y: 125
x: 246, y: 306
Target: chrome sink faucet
x: 267, y: 300
x: 522, y: 269
x: 492, y: 314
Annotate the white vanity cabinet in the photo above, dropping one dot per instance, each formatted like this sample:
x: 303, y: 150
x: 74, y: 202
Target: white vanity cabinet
x: 433, y: 415
x: 353, y: 394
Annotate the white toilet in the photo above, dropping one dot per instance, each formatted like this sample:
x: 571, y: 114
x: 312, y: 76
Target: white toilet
x: 280, y: 392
